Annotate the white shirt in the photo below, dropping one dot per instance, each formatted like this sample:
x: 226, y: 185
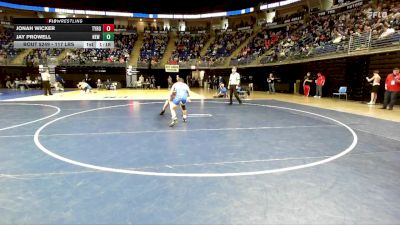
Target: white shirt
x: 45, y: 76
x: 181, y: 89
x: 386, y: 33
x: 141, y: 79
x: 83, y: 85
x: 202, y: 72
x: 234, y: 78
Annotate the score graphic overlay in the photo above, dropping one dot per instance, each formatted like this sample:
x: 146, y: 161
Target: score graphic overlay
x: 64, y: 33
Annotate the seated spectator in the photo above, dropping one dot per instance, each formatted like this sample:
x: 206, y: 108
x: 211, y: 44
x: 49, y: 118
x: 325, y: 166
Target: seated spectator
x: 113, y: 86
x: 152, y: 82
x: 9, y: 83
x: 222, y: 92
x: 242, y: 91
x: 153, y: 48
x: 146, y: 84
x: 16, y: 82
x: 107, y: 84
x: 140, y: 81
x: 38, y: 80
x: 28, y: 80
x: 123, y: 45
x: 99, y: 84
x: 386, y: 32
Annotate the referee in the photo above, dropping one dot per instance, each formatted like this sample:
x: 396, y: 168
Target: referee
x: 234, y: 82
x: 46, y: 82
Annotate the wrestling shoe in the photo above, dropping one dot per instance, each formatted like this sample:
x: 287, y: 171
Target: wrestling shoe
x: 162, y: 112
x: 173, y: 122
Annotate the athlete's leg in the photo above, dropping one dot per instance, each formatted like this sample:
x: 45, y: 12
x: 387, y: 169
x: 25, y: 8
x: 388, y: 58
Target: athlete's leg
x: 164, y: 107
x: 375, y: 97
x: 184, y: 112
x: 174, y: 119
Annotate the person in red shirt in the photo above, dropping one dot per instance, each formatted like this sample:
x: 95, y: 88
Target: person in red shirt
x: 392, y: 89
x: 320, y: 83
x: 306, y: 84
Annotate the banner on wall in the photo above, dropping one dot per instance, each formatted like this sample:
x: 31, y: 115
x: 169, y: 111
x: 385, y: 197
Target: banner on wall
x: 340, y: 9
x: 285, y: 22
x: 171, y: 68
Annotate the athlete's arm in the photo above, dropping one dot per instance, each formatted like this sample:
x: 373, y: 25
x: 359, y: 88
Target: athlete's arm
x: 171, y: 92
x: 188, y: 93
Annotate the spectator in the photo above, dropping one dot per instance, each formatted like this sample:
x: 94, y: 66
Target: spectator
x: 222, y: 92
x: 306, y: 84
x: 215, y: 82
x: 320, y: 82
x: 386, y: 32
x: 271, y: 83
x: 8, y: 82
x: 392, y: 87
x: 170, y: 83
x: 141, y: 80
x: 99, y: 84
x: 88, y: 79
x: 59, y: 84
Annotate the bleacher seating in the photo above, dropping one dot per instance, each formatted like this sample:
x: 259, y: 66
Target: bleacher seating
x: 123, y: 45
x: 188, y: 46
x: 7, y: 50
x: 153, y: 48
x: 226, y: 42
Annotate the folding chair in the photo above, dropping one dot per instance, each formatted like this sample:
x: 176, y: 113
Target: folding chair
x: 342, y: 91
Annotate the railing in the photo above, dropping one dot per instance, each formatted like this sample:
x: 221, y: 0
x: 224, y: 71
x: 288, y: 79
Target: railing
x: 249, y: 59
x: 6, y: 60
x: 197, y: 63
x: 91, y: 63
x: 356, y: 44
x: 243, y: 61
x: 390, y: 41
x: 210, y: 64
x: 142, y: 65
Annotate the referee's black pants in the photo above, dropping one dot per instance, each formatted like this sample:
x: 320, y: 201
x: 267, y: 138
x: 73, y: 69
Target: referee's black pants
x: 232, y: 90
x: 46, y: 87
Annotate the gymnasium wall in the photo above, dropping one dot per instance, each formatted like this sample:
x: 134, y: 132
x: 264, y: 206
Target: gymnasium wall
x: 350, y: 72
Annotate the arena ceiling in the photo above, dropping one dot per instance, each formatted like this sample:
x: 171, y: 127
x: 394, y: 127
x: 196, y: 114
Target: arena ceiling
x: 149, y: 6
